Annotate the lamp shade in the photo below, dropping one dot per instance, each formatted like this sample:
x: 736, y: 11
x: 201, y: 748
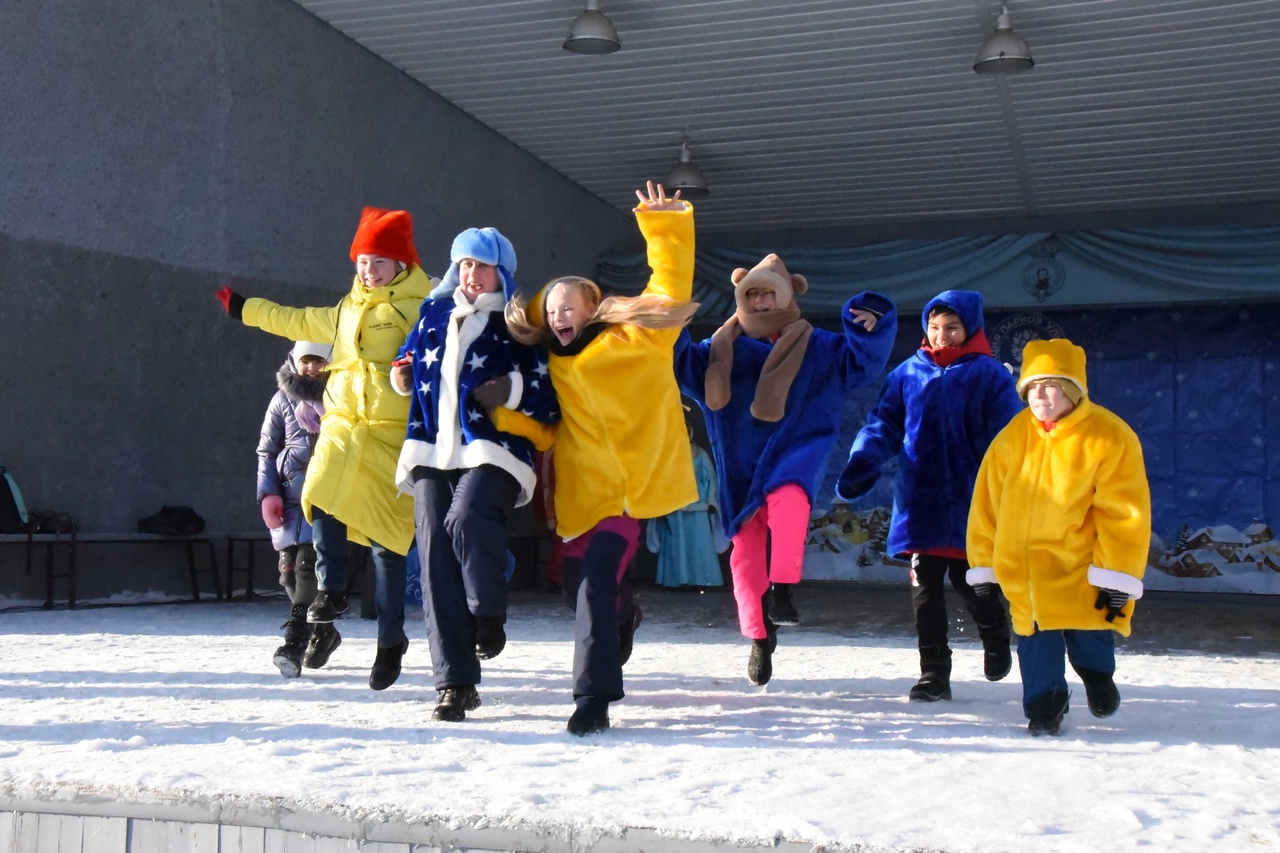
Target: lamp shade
x: 592, y: 32
x: 1004, y: 51
x: 686, y: 177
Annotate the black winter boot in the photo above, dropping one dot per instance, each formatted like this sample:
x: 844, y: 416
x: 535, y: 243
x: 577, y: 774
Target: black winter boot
x: 324, y: 640
x: 454, y: 703
x: 386, y: 665
x: 327, y: 607
x: 778, y: 606
x: 1100, y: 691
x: 491, y: 637
x: 997, y: 658
x: 288, y: 658
x: 760, y: 664
x: 590, y: 716
x: 935, y: 675
x: 931, y: 687
x: 1045, y: 713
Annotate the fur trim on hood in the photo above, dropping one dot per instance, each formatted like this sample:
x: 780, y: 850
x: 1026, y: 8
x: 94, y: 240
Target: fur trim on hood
x: 299, y: 388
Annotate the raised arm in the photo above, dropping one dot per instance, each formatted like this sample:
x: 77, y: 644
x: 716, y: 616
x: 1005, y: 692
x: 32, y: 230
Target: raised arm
x: 667, y: 226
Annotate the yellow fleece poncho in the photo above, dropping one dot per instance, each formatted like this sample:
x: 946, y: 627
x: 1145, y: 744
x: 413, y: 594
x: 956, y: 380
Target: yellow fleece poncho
x: 352, y: 472
x: 621, y: 446
x: 1058, y: 515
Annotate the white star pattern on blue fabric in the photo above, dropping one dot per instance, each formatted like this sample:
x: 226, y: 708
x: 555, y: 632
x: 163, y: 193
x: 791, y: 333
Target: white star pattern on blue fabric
x: 541, y: 369
x: 477, y: 361
x: 424, y: 389
x: 473, y: 416
x: 416, y: 425
x: 431, y: 356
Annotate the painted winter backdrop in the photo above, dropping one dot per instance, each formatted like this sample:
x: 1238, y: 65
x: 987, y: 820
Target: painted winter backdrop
x: 1200, y: 387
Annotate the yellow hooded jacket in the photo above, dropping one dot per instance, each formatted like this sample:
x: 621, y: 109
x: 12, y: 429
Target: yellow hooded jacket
x: 1058, y: 515
x: 621, y: 446
x: 352, y: 472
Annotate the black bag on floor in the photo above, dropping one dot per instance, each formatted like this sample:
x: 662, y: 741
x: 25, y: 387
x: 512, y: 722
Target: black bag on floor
x: 172, y: 521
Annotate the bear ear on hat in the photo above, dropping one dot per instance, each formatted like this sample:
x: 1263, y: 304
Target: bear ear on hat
x: 738, y: 275
x: 799, y: 284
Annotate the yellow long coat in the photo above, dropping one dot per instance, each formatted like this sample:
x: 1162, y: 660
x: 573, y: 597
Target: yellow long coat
x: 1058, y: 515
x: 621, y: 446
x: 352, y: 472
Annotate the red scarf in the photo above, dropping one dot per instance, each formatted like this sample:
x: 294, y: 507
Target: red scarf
x: 946, y: 356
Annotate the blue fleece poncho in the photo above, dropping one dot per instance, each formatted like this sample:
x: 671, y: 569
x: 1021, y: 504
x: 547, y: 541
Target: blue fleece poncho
x: 457, y: 346
x: 754, y: 457
x: 938, y: 421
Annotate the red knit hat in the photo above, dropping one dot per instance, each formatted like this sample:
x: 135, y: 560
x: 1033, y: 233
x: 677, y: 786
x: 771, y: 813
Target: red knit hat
x: 385, y: 232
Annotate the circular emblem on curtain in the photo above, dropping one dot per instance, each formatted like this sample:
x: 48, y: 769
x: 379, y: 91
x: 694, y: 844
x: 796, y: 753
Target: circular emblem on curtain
x: 1011, y: 334
x: 1043, y: 277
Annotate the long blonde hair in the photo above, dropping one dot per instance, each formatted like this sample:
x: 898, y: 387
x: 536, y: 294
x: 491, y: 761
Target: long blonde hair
x: 648, y: 311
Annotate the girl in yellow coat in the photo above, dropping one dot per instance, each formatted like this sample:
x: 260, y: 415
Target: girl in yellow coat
x: 350, y: 491
x: 621, y: 451
x: 1061, y: 521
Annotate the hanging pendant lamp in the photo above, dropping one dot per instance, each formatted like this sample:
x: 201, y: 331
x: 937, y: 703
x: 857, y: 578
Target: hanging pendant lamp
x: 592, y: 32
x: 1004, y: 51
x: 686, y: 177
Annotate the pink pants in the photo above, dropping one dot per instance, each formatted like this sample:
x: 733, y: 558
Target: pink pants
x: 785, y: 518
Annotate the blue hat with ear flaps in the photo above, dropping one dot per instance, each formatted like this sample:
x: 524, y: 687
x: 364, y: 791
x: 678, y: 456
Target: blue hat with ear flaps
x: 486, y: 245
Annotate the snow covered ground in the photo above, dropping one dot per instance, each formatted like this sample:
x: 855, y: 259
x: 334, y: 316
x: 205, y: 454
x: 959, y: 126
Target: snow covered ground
x: 178, y: 701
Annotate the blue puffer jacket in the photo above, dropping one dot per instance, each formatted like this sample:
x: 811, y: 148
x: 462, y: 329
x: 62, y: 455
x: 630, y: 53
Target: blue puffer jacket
x: 755, y: 457
x: 938, y: 421
x: 284, y: 449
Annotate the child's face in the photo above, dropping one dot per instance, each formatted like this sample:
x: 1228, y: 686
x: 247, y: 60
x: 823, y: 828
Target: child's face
x: 311, y: 365
x: 375, y: 270
x: 1048, y: 402
x: 568, y: 310
x: 944, y: 330
x: 759, y: 299
x: 477, y: 277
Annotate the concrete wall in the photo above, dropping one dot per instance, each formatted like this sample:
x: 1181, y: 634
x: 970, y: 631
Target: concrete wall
x: 151, y: 152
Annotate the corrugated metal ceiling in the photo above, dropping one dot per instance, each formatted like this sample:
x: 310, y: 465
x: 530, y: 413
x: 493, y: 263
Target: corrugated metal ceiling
x: 829, y: 113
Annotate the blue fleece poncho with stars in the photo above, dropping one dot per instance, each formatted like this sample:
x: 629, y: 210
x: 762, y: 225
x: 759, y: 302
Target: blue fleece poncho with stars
x: 456, y: 347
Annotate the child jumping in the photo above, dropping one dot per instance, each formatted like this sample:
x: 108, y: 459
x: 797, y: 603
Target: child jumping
x: 770, y: 387
x: 350, y: 490
x: 937, y: 413
x: 285, y: 445
x: 621, y: 452
x: 1061, y: 522
x: 465, y: 476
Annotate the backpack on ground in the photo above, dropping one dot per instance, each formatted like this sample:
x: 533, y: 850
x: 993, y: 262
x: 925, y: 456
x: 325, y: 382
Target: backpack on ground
x: 13, y: 510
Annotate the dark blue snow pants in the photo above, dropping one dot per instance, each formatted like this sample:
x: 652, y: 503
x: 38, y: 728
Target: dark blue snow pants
x: 594, y: 588
x: 1042, y: 660
x: 461, y: 519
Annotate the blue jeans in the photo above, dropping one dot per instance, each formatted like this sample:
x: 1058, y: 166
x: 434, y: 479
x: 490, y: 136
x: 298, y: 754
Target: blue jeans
x: 1042, y: 659
x: 330, y: 539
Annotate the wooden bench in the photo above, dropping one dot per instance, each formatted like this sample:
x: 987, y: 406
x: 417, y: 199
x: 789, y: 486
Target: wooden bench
x: 68, y: 544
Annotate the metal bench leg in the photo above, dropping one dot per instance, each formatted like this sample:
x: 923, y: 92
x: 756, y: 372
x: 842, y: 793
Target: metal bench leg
x: 191, y: 569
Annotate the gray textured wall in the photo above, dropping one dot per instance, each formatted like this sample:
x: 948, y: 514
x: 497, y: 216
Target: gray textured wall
x: 151, y: 151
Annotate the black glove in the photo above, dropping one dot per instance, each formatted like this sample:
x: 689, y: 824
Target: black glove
x: 232, y: 302
x: 986, y: 590
x: 1112, y: 601
x: 493, y: 394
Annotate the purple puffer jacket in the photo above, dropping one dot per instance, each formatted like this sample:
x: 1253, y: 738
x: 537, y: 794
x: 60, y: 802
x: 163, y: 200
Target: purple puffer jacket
x: 284, y: 449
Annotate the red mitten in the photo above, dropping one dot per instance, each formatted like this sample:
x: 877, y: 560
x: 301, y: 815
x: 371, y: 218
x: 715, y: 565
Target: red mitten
x: 232, y: 302
x: 273, y: 511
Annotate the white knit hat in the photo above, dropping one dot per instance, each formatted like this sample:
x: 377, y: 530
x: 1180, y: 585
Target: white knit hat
x: 305, y: 348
